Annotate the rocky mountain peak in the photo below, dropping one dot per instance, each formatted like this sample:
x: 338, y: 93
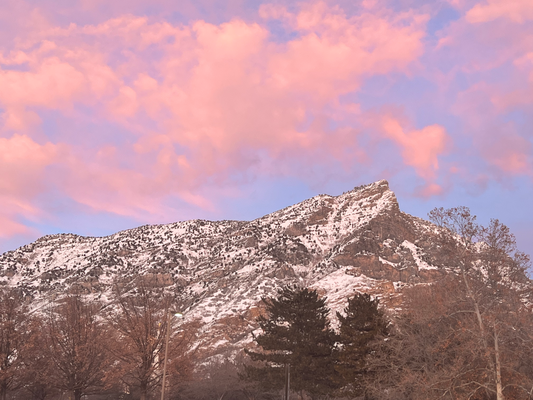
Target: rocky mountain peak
x: 358, y: 241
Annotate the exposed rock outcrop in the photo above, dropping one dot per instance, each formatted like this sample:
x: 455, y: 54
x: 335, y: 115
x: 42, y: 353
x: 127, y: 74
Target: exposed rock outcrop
x: 358, y: 241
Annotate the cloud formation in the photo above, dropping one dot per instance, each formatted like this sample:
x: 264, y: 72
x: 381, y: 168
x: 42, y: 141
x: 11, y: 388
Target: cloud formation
x: 122, y: 112
x: 420, y: 148
x: 22, y: 168
x: 515, y: 10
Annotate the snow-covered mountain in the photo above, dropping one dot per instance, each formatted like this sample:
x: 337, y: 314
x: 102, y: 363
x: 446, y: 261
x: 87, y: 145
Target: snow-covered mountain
x: 358, y: 241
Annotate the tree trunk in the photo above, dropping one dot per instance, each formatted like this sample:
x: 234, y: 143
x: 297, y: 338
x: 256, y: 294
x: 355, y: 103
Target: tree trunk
x: 495, y: 366
x: 223, y: 394
x: 476, y: 308
x: 3, y: 391
x: 499, y: 390
x: 144, y: 390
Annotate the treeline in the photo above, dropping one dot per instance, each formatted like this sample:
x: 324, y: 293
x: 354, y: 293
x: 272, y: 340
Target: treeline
x: 435, y: 347
x: 468, y: 335
x: 75, y: 348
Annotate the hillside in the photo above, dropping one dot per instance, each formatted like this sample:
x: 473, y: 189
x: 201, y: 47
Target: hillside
x: 358, y: 241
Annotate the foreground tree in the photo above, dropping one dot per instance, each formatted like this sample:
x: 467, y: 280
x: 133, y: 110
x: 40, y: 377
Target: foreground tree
x: 467, y: 336
x: 486, y: 257
x: 428, y: 353
x: 13, y: 337
x: 37, y: 382
x: 140, y: 328
x: 435, y: 350
x: 296, y: 333
x: 362, y: 322
x: 73, y: 343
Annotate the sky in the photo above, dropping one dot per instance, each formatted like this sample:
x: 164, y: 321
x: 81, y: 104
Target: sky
x: 115, y: 114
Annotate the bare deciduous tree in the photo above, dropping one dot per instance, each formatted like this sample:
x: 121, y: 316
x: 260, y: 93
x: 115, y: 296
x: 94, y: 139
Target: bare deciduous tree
x: 74, y: 344
x: 140, y: 328
x: 468, y: 336
x: 13, y: 336
x: 489, y: 256
x: 433, y: 352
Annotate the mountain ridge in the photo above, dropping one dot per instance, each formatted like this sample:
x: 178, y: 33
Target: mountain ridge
x: 359, y: 241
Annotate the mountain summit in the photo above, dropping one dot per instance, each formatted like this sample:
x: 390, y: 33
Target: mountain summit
x: 359, y: 241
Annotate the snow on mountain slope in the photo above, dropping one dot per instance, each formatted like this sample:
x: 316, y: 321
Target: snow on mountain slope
x: 359, y: 241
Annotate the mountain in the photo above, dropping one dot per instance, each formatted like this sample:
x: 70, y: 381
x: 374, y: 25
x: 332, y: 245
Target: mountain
x: 359, y: 241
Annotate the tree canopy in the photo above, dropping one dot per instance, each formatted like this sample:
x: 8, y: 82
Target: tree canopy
x: 296, y: 332
x: 363, y: 322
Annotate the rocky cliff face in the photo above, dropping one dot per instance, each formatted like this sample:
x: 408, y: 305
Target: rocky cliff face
x: 358, y: 241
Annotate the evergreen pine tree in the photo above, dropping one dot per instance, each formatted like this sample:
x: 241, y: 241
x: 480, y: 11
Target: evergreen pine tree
x: 296, y: 331
x: 363, y: 321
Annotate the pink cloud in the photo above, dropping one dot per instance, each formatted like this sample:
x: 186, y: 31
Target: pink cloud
x: 22, y: 162
x: 203, y: 102
x: 243, y: 93
x: 8, y: 225
x: 274, y: 11
x: 54, y: 84
x: 101, y: 183
x: 420, y: 148
x: 430, y: 190
x: 491, y: 46
x: 498, y: 142
x: 514, y: 10
x: 22, y: 168
x: 57, y: 78
x: 508, y: 151
x: 343, y: 49
x: 518, y: 91
x: 478, y: 48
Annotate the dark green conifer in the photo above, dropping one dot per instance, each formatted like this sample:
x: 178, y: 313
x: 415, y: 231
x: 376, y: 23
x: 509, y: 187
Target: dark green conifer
x: 363, y: 322
x: 296, y: 331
